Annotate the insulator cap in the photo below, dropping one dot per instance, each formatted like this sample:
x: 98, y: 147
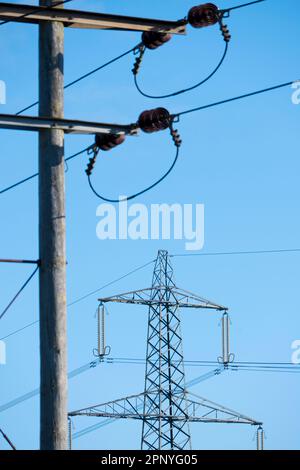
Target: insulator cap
x: 154, y: 120
x: 203, y: 15
x: 154, y: 39
x: 109, y: 141
x: 91, y: 165
x: 225, y: 32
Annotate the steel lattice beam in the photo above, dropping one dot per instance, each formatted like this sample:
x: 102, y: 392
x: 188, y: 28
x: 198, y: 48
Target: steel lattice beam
x: 198, y: 410
x: 177, y: 298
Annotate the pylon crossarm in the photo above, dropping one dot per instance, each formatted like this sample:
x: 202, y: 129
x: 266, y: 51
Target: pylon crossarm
x: 127, y: 407
x: 202, y: 410
x: 180, y: 298
x: 188, y: 299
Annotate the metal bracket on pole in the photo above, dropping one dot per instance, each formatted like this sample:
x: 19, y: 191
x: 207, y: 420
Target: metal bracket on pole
x: 69, y: 126
x: 87, y: 20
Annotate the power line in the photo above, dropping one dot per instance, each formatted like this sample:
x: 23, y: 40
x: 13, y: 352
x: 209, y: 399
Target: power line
x: 37, y: 10
x: 247, y: 95
x: 36, y: 174
x: 19, y: 292
x: 259, y: 366
x: 177, y: 115
x: 115, y: 59
x: 80, y: 299
x: 133, y: 196
x: 185, y: 90
x: 82, y: 77
x: 8, y: 440
x: 235, y: 367
x: 36, y: 391
x: 232, y: 253
x: 19, y: 330
x: 243, y: 5
x: 237, y: 253
x: 111, y: 283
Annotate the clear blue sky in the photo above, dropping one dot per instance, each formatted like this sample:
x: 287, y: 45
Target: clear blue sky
x: 241, y: 160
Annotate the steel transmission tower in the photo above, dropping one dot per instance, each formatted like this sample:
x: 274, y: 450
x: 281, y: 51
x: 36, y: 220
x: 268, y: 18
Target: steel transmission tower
x: 165, y: 379
x: 166, y: 407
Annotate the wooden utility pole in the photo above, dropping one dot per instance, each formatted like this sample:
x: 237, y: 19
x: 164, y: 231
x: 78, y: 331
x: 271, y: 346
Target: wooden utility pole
x: 52, y: 243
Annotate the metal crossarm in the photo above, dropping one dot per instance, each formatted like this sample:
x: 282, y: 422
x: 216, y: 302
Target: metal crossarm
x: 69, y: 126
x: 87, y: 20
x: 198, y: 409
x: 177, y: 297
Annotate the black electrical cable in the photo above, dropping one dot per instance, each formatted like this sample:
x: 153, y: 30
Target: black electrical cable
x: 229, y: 100
x: 36, y: 174
x: 243, y: 5
x: 185, y: 90
x: 89, y: 294
x: 19, y: 292
x: 7, y: 440
x: 239, y: 369
x: 86, y: 75
x: 32, y: 12
x: 140, y: 192
x: 237, y: 253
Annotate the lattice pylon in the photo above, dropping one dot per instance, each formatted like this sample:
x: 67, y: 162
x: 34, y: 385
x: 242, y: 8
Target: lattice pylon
x: 166, y: 407
x: 164, y: 378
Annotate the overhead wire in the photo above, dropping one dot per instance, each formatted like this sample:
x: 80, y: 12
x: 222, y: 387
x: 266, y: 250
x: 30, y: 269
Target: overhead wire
x: 176, y: 116
x: 185, y: 90
x: 237, y: 253
x: 19, y: 293
x: 133, y: 196
x: 7, y: 440
x: 219, y: 15
x: 243, y: 5
x: 34, y: 175
x: 235, y: 98
x: 33, y: 393
x: 36, y: 10
x: 133, y: 49
x: 236, y: 367
x: 80, y: 299
x: 82, y: 77
x: 232, y: 253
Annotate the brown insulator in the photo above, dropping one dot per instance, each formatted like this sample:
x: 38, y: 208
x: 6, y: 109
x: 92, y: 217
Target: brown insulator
x: 154, y: 39
x: 154, y: 120
x: 109, y: 141
x: 203, y: 15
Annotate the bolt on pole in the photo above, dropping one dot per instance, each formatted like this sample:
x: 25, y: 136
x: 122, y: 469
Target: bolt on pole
x: 52, y: 244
